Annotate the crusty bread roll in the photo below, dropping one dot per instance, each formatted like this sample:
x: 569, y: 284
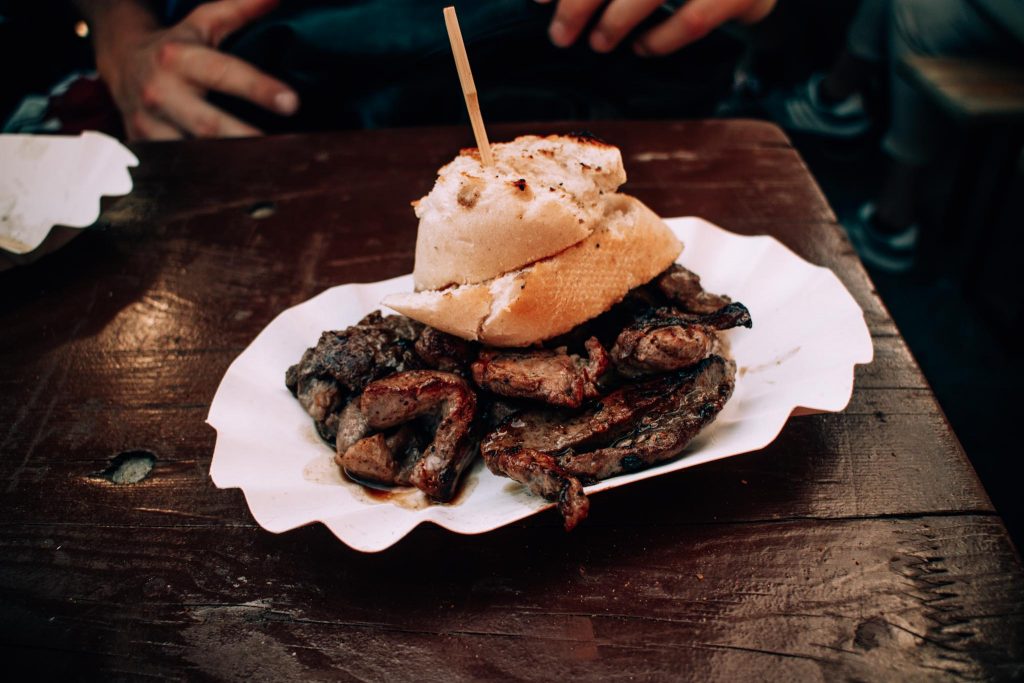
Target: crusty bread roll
x: 628, y: 246
x: 541, y: 196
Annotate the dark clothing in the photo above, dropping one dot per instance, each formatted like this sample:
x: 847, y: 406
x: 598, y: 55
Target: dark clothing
x: 381, y: 63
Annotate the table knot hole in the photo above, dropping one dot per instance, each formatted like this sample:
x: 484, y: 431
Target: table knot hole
x: 129, y: 467
x: 262, y: 210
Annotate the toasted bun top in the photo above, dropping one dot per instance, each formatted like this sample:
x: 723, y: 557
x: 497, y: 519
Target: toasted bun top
x: 542, y: 196
x: 551, y: 296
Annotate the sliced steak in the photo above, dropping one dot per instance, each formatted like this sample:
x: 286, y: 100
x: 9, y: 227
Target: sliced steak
x: 664, y: 432
x: 664, y: 340
x: 556, y: 431
x: 551, y: 376
x: 682, y: 287
x: 631, y: 428
x: 402, y: 397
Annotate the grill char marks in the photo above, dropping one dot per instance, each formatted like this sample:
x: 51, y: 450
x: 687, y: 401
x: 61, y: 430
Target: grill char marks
x: 631, y: 428
x: 664, y: 340
x: 551, y: 376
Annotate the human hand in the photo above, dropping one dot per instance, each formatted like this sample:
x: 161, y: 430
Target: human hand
x: 159, y: 77
x: 692, y: 21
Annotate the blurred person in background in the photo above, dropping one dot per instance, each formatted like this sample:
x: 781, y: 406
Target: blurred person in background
x: 183, y: 68
x: 836, y: 103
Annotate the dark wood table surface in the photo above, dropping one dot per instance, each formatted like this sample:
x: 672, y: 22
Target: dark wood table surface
x: 858, y: 545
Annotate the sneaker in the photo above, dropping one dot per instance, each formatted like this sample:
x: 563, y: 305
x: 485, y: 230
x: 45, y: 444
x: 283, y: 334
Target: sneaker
x: 804, y: 111
x: 888, y: 252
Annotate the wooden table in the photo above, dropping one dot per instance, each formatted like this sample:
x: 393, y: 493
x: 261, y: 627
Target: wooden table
x: 858, y: 545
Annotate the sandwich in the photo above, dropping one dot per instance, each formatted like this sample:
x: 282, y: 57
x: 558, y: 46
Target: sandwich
x: 549, y: 332
x: 525, y: 250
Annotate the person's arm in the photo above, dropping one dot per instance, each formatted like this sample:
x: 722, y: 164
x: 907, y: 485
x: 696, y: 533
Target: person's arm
x: 694, y: 20
x: 159, y: 76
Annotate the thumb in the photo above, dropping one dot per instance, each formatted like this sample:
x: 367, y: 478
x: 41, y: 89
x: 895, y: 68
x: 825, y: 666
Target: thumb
x: 216, y: 20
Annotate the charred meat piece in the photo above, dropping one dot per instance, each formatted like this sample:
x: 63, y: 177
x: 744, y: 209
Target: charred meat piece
x: 351, y: 427
x: 631, y: 428
x: 559, y: 431
x: 665, y: 340
x: 664, y: 432
x: 403, y: 327
x: 682, y: 287
x: 543, y: 476
x: 402, y: 397
x: 552, y: 376
x: 384, y: 457
x: 344, y: 362
x: 319, y: 396
x: 442, y: 351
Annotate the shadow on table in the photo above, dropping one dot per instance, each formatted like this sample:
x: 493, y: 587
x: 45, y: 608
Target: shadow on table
x: 70, y: 294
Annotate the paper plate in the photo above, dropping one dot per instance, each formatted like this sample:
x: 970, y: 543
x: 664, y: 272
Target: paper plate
x: 267, y: 445
x: 48, y: 180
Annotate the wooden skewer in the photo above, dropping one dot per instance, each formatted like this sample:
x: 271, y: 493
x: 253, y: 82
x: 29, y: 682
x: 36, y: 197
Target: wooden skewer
x: 451, y: 21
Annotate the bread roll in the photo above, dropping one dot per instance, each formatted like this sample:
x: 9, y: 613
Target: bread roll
x: 541, y: 196
x: 627, y: 247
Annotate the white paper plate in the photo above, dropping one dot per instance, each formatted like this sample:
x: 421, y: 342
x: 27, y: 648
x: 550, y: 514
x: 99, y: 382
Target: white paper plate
x: 48, y: 180
x: 808, y: 334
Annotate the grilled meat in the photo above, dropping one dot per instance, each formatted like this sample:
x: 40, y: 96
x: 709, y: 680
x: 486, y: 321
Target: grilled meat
x: 664, y: 432
x: 446, y: 397
x: 664, y: 340
x: 682, y: 287
x: 379, y: 389
x: 384, y: 457
x: 631, y: 428
x: 442, y: 351
x: 320, y: 396
x: 351, y: 427
x: 543, y: 476
x: 344, y: 362
x: 552, y: 376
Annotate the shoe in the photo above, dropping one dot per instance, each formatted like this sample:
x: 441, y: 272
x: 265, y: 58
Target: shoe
x: 887, y: 252
x: 804, y: 111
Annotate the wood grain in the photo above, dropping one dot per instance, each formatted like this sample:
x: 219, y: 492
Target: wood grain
x: 858, y: 545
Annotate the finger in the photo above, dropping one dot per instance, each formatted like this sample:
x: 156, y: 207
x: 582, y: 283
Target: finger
x: 215, y: 21
x: 757, y: 10
x: 570, y: 18
x: 692, y: 22
x: 619, y: 18
x: 186, y: 109
x: 212, y: 70
x: 141, y: 125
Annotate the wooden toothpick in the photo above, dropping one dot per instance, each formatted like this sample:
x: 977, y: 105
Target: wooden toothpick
x: 468, y: 87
